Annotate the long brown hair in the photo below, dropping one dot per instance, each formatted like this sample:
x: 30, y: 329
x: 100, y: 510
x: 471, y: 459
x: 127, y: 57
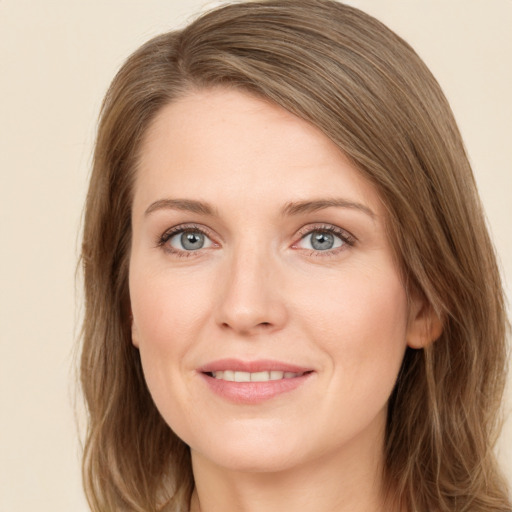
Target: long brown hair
x: 369, y: 92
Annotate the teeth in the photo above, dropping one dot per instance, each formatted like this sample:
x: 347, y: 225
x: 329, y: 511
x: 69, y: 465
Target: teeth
x: 242, y: 377
x: 260, y: 376
x: 232, y: 376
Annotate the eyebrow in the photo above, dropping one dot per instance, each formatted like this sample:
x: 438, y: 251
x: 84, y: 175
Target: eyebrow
x: 290, y: 209
x: 187, y: 205
x: 301, y: 207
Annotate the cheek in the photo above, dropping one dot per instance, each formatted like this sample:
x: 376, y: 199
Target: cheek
x: 361, y: 326
x: 361, y: 323
x: 166, y: 309
x: 170, y: 311
x: 166, y: 320
x: 368, y: 303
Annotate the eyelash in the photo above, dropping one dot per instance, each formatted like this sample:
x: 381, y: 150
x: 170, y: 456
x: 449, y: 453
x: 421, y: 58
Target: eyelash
x: 345, y: 236
x: 347, y: 239
x: 167, y: 235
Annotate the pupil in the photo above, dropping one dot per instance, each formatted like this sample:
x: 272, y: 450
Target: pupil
x: 322, y: 241
x: 192, y: 241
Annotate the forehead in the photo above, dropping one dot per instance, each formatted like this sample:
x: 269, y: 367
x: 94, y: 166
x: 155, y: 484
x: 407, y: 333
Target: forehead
x: 222, y: 142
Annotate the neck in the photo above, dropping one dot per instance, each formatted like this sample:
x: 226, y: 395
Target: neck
x: 345, y: 481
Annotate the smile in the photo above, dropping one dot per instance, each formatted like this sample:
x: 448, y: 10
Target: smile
x: 253, y: 382
x: 264, y: 376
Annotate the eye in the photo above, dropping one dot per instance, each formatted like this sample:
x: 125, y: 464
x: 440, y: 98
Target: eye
x: 321, y: 241
x: 325, y: 239
x: 185, y: 240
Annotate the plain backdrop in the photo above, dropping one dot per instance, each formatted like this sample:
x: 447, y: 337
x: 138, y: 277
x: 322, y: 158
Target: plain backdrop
x: 57, y: 58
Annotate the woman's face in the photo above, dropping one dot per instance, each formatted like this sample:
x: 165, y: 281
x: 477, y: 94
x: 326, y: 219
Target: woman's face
x: 267, y: 307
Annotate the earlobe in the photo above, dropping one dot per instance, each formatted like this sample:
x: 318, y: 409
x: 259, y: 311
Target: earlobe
x: 425, y: 326
x: 135, y: 334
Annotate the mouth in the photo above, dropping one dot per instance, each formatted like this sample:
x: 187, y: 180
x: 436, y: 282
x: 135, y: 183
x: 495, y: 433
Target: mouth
x: 243, y: 382
x: 263, y: 376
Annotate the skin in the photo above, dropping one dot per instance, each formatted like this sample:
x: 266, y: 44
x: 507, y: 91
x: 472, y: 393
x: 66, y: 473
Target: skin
x: 258, y: 290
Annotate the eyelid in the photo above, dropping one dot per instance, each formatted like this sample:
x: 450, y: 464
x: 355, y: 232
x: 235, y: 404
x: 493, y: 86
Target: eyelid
x: 343, y: 234
x: 347, y: 237
x: 184, y: 228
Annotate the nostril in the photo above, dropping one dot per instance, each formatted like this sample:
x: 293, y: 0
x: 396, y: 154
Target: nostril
x: 256, y: 327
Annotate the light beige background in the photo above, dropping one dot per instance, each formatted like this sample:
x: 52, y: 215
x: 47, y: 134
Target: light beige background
x: 57, y: 58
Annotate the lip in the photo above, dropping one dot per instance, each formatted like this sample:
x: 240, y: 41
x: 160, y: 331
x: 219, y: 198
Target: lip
x: 252, y: 392
x: 251, y: 366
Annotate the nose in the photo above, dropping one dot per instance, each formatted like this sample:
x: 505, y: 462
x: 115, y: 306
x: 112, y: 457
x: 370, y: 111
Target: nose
x: 251, y: 298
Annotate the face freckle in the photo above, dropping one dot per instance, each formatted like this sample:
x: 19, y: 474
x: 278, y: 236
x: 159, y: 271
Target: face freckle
x: 249, y: 288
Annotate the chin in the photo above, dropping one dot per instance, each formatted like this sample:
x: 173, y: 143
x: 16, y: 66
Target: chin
x: 250, y: 462
x: 259, y: 452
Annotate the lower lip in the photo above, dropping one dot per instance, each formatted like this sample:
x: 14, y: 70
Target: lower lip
x: 253, y: 392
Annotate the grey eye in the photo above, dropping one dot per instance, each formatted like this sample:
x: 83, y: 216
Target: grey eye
x: 189, y: 241
x: 321, y: 241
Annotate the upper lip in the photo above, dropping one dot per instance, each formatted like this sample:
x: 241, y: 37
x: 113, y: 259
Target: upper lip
x: 259, y: 365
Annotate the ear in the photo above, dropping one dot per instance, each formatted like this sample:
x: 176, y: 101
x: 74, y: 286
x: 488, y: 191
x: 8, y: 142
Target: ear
x: 424, y: 326
x: 135, y: 333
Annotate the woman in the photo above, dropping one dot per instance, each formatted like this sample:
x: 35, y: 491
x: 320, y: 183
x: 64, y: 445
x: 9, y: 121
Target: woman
x: 292, y: 301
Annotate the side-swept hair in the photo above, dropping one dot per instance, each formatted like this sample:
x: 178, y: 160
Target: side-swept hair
x: 369, y: 92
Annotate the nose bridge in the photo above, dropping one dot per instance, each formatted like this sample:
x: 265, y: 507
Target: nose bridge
x: 250, y: 298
